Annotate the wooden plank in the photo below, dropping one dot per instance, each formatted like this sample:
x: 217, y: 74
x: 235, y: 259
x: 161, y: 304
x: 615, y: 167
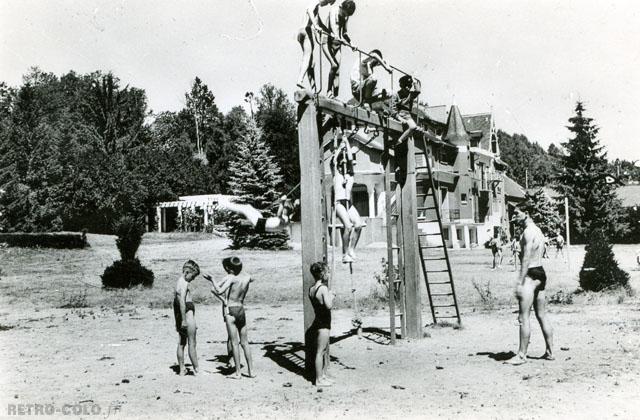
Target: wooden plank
x: 359, y: 114
x: 390, y: 260
x: 405, y: 156
x: 313, y: 217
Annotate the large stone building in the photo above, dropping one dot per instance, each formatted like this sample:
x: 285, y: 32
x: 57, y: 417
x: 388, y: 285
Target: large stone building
x: 474, y: 191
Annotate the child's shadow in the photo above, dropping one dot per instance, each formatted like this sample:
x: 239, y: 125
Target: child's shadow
x: 224, y: 367
x: 176, y: 369
x: 498, y: 357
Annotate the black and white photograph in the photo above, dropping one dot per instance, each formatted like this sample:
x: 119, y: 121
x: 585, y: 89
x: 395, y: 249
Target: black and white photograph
x: 320, y: 209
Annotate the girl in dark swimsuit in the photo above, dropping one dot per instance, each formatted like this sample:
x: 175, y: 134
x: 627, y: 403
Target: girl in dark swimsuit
x: 321, y: 300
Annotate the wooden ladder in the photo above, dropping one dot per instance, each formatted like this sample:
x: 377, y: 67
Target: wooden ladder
x: 436, y: 266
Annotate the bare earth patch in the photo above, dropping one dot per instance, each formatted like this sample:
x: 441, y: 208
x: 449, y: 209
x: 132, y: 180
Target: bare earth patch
x: 117, y: 349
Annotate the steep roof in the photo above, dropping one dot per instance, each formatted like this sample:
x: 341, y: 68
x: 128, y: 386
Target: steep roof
x: 480, y: 123
x: 456, y: 131
x: 437, y: 113
x: 513, y: 189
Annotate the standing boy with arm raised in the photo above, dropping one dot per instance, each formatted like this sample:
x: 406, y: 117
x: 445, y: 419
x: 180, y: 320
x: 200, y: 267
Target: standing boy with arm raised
x: 336, y: 25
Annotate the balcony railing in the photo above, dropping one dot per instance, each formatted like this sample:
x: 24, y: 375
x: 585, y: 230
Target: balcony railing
x: 454, y: 214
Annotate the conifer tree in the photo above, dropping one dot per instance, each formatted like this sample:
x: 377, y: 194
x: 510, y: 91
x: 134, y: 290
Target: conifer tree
x: 254, y: 178
x: 583, y: 179
x: 543, y: 212
x: 600, y: 270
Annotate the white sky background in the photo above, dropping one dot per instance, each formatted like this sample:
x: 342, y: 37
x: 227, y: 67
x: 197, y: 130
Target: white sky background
x: 529, y: 61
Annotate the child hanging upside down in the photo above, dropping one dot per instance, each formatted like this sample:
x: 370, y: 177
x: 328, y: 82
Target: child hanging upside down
x: 363, y: 81
x: 342, y: 170
x: 403, y: 104
x: 263, y: 224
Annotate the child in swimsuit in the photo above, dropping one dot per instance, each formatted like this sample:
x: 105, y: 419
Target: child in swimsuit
x: 307, y: 40
x: 255, y: 218
x: 403, y: 104
x: 322, y: 301
x: 342, y: 168
x: 332, y: 40
x: 184, y: 313
x: 234, y: 289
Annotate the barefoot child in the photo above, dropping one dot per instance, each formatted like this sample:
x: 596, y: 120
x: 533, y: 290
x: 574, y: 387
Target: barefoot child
x: 233, y: 290
x: 403, y: 103
x: 184, y: 313
x: 322, y: 301
x: 332, y: 40
x: 307, y: 36
x: 363, y: 81
x: 254, y: 216
x: 342, y: 170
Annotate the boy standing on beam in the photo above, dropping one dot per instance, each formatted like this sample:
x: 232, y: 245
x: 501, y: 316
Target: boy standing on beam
x: 336, y: 25
x: 307, y: 36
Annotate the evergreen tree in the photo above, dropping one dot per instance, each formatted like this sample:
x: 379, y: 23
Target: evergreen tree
x: 543, y: 212
x: 592, y: 201
x: 255, y: 179
x: 528, y: 162
x: 276, y: 118
x: 600, y: 270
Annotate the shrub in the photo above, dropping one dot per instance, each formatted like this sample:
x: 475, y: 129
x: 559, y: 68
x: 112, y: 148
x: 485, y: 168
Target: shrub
x: 486, y: 294
x: 45, y: 240
x: 383, y: 282
x: 600, y: 270
x: 561, y: 298
x: 127, y: 273
x: 129, y: 231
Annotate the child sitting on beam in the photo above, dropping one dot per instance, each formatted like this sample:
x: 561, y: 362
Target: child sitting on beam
x: 402, y: 104
x: 363, y: 81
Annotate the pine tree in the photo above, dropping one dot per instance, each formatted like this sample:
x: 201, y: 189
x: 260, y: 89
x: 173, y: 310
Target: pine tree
x: 592, y: 201
x: 543, y: 212
x: 600, y: 270
x: 254, y: 179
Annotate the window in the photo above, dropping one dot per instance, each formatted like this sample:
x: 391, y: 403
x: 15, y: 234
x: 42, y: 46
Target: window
x: 463, y: 198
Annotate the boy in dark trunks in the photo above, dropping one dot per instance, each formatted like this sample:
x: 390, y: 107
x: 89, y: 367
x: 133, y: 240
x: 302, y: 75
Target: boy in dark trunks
x: 364, y: 82
x: 184, y: 312
x: 233, y: 289
x: 322, y: 301
x: 336, y: 27
x: 532, y: 282
x: 255, y: 218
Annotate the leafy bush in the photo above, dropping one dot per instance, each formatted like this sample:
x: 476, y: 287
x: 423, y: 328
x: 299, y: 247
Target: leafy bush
x: 45, y: 240
x: 382, y: 280
x: 127, y: 273
x: 561, y: 298
x: 600, y: 270
x: 487, y: 297
x: 129, y: 231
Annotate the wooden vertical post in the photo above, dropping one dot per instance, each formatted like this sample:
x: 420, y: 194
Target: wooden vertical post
x: 405, y: 157
x: 391, y: 275
x: 312, y: 205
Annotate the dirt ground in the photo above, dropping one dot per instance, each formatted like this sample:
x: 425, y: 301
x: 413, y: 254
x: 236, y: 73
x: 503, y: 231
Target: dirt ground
x: 115, y: 353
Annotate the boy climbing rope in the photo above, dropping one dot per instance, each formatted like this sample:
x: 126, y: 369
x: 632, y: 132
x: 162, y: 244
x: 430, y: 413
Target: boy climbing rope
x: 332, y: 40
x: 403, y: 104
x: 364, y: 82
x: 342, y: 171
x: 308, y: 36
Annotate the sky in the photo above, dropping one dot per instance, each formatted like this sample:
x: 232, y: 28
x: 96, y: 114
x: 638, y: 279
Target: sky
x: 526, y: 61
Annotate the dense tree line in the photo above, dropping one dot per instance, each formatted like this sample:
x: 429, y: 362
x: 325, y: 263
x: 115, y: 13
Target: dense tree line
x: 80, y: 151
x: 529, y: 164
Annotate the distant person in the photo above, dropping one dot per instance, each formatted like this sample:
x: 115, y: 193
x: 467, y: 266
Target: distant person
x: 254, y: 217
x: 403, y: 104
x: 233, y: 289
x: 308, y: 36
x: 559, y: 240
x: 532, y: 281
x: 343, y: 177
x: 545, y: 249
x: 514, y: 247
x: 184, y: 313
x: 332, y: 41
x: 322, y: 302
x: 363, y: 81
x: 495, y: 244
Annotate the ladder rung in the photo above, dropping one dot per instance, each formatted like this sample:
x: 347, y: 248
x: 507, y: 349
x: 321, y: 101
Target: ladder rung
x: 421, y: 167
x: 436, y: 271
x: 430, y: 234
x: 439, y: 282
x: 422, y: 195
x: 441, y: 294
x: 443, y: 306
x: 425, y: 208
x: 432, y: 246
x: 434, y: 259
x: 446, y: 316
